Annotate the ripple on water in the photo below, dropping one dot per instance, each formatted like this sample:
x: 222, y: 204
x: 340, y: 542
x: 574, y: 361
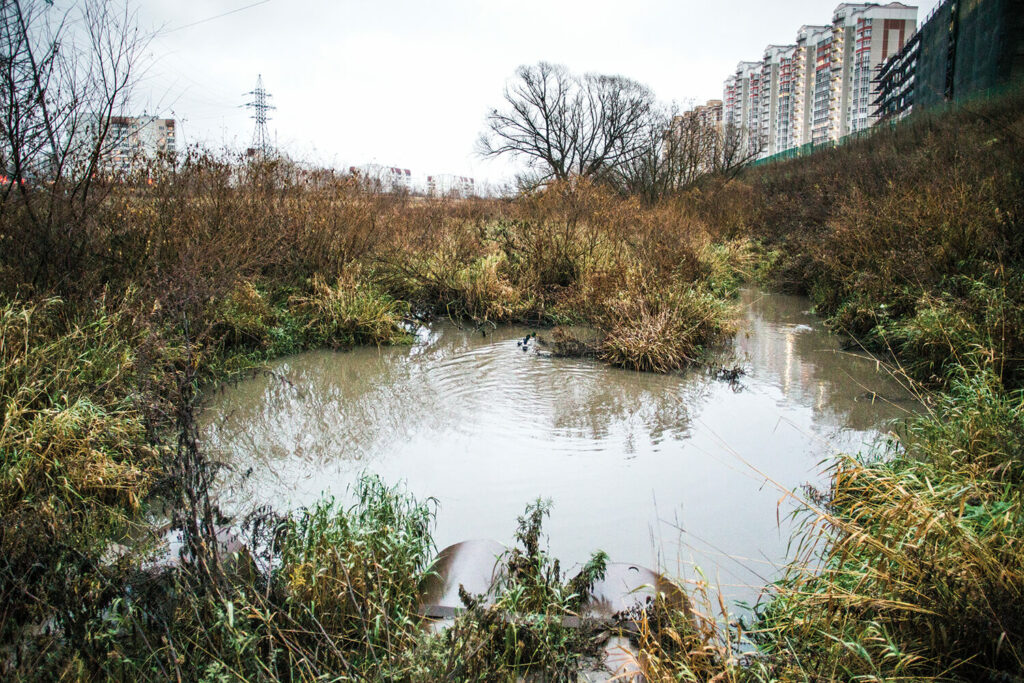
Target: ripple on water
x: 654, y: 469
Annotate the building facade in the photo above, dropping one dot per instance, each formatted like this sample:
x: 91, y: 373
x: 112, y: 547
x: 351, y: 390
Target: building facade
x: 776, y: 99
x: 894, y: 87
x: 741, y: 107
x: 133, y: 139
x: 447, y: 185
x: 695, y: 137
x: 708, y: 115
x: 804, y: 77
x: 823, y: 87
x: 879, y: 32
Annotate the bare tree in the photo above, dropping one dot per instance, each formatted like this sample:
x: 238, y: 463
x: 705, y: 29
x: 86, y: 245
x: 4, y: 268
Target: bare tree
x: 737, y: 148
x: 566, y: 125
x: 62, y: 78
x: 677, y: 151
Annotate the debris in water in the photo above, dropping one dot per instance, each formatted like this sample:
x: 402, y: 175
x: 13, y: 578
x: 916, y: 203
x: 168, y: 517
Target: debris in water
x: 727, y: 374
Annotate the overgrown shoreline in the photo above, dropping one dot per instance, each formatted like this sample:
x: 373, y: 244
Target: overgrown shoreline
x: 217, y: 267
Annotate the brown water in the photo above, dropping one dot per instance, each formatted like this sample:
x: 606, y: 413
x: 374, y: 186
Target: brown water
x: 664, y: 470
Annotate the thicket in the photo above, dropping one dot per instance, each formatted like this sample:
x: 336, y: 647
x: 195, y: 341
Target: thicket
x: 910, y: 240
x: 114, y: 319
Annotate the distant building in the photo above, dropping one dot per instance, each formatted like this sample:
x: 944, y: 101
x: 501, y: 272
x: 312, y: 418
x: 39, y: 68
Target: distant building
x: 805, y: 58
x: 879, y: 32
x: 707, y: 115
x: 696, y: 136
x: 447, y: 185
x: 132, y: 139
x: 384, y: 178
x: 863, y: 36
x: 741, y: 108
x: 730, y: 108
x: 776, y: 98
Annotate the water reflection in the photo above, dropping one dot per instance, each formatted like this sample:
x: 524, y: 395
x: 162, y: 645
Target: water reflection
x: 654, y: 469
x: 785, y: 344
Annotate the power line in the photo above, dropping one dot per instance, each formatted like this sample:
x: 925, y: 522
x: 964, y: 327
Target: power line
x: 203, y: 21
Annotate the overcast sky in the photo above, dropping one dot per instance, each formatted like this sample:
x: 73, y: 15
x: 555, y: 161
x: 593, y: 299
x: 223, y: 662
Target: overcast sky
x: 408, y: 82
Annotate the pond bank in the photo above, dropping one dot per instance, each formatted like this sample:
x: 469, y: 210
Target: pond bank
x: 665, y: 470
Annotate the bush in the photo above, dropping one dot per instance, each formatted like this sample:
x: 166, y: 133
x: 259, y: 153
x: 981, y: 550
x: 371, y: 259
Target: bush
x: 350, y: 313
x: 661, y: 331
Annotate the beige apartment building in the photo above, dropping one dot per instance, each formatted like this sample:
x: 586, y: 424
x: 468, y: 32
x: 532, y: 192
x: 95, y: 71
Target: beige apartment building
x: 776, y: 98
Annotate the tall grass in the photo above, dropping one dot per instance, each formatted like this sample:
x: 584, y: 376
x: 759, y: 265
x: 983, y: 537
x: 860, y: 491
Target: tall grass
x: 920, y: 572
x: 77, y: 463
x: 329, y: 591
x: 910, y: 241
x: 661, y: 331
x: 350, y: 313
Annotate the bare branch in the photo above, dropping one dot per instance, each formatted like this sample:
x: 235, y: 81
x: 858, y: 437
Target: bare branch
x: 565, y: 125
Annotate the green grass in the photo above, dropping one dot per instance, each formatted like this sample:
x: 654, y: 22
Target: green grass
x: 349, y: 313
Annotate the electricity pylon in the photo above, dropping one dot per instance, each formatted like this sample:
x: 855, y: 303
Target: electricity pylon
x: 260, y: 106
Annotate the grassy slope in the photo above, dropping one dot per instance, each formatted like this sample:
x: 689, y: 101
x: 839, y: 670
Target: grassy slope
x: 911, y: 241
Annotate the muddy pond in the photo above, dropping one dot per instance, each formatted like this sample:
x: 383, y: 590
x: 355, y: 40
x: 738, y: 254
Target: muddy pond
x: 671, y: 471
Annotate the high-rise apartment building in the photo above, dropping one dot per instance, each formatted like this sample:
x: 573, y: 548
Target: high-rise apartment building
x: 863, y: 36
x: 696, y: 136
x: 826, y: 84
x: 879, y: 32
x: 823, y: 87
x: 776, y: 98
x: 707, y: 115
x: 131, y: 139
x: 741, y: 108
x: 729, y: 105
x: 804, y: 77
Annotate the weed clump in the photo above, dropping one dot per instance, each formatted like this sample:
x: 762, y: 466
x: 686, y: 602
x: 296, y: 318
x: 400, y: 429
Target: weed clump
x: 354, y: 573
x: 520, y: 632
x: 350, y: 313
x: 662, y: 331
x: 244, y: 317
